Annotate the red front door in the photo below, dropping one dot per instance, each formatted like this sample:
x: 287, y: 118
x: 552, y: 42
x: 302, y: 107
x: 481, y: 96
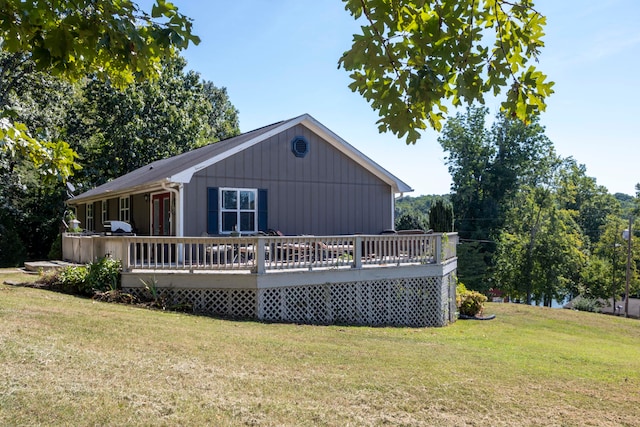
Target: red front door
x: 161, y: 214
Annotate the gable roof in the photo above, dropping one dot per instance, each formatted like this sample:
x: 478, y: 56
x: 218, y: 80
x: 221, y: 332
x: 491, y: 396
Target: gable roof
x: 181, y: 168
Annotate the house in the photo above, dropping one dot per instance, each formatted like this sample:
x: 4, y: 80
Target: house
x: 295, y: 176
x: 200, y: 221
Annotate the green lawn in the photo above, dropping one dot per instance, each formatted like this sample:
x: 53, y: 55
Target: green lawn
x: 70, y: 361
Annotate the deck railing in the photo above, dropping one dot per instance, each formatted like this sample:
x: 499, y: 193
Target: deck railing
x: 260, y: 254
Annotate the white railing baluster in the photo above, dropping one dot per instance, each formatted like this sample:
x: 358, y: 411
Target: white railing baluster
x: 262, y: 254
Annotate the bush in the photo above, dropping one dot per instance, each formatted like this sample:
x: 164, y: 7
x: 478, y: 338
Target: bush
x: 103, y: 275
x: 470, y: 303
x: 587, y: 304
x: 460, y: 290
x: 73, y: 279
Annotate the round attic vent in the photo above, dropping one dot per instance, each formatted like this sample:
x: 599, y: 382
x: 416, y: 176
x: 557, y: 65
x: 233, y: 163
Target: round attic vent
x: 299, y: 146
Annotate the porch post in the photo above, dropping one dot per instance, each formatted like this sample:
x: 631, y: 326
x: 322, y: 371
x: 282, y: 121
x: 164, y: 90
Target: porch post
x: 437, y: 256
x: 180, y: 212
x: 180, y: 230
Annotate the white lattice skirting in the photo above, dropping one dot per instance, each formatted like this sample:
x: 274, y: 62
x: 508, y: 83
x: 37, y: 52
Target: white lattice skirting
x: 414, y: 302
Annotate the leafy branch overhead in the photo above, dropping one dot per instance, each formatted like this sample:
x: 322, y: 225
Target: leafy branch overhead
x: 55, y: 159
x: 413, y: 59
x: 114, y: 41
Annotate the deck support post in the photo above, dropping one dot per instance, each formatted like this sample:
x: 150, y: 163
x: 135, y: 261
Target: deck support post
x: 260, y: 256
x: 357, y: 252
x: 126, y: 257
x: 438, y: 252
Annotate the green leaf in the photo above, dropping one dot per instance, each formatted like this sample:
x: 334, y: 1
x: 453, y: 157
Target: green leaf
x: 444, y: 51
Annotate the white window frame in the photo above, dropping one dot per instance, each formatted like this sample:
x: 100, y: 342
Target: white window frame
x: 90, y: 224
x: 104, y: 211
x: 238, y: 210
x: 125, y: 209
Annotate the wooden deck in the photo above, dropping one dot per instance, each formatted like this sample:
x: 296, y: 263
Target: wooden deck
x: 402, y: 280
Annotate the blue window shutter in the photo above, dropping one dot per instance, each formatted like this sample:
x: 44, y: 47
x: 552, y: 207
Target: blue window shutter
x: 263, y: 219
x: 212, y: 210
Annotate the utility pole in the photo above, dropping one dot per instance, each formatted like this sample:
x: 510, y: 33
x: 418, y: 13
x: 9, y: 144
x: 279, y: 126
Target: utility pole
x: 626, y: 295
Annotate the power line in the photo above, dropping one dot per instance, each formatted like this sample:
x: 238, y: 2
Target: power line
x: 477, y: 240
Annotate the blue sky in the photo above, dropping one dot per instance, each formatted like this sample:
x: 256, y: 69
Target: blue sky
x: 278, y: 59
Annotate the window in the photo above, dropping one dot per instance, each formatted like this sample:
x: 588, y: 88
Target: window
x: 238, y: 211
x: 90, y: 217
x: 214, y: 209
x: 105, y: 214
x: 124, y: 209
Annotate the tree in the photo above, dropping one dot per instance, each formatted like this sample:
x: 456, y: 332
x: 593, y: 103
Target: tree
x: 414, y: 57
x: 540, y: 251
x: 612, y: 248
x: 592, y: 202
x: 416, y: 205
x: 115, y: 41
x: 488, y: 167
x: 223, y: 120
x: 31, y: 114
x: 441, y: 216
x: 469, y: 155
x: 628, y: 204
x: 119, y: 130
x: 30, y: 206
x: 112, y: 129
x: 560, y: 254
x: 597, y: 279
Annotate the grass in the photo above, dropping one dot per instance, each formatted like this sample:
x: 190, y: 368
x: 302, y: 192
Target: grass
x: 71, y: 361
